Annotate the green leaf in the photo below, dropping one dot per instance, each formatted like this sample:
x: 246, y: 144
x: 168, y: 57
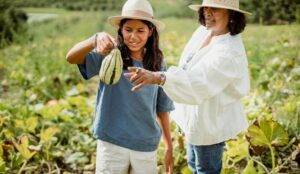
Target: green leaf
x: 23, y: 148
x: 51, y: 111
x: 77, y: 157
x: 2, y: 165
x: 186, y: 170
x: 230, y: 170
x: 237, y: 149
x: 257, y: 136
x: 1, y: 150
x: 77, y: 101
x: 31, y: 124
x: 47, y: 134
x: 16, y: 160
x: 268, y: 133
x: 2, y: 120
x: 275, y: 133
x: 250, y: 169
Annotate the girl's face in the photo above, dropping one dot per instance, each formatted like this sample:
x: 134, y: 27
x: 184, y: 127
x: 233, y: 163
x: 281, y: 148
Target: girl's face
x: 135, y: 34
x: 216, y: 19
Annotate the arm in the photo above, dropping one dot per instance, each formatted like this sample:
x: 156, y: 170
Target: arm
x: 204, y: 81
x: 103, y: 43
x: 77, y: 53
x: 164, y: 122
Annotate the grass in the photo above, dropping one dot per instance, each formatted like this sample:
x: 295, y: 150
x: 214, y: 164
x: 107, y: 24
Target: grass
x: 35, y: 72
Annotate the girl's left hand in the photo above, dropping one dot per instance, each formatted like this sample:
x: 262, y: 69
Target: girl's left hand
x: 141, y: 77
x: 169, y: 161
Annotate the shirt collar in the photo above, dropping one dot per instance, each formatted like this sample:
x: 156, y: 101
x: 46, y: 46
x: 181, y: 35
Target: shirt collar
x: 220, y: 37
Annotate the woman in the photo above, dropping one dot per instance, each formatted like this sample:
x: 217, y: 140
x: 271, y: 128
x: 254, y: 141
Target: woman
x: 125, y: 123
x: 208, y: 84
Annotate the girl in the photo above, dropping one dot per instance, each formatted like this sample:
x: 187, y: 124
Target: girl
x: 125, y: 123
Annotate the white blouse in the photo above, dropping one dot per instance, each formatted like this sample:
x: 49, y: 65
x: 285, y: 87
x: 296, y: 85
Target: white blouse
x: 207, y: 88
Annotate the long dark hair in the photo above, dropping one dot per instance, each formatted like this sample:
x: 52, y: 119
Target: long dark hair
x: 153, y: 56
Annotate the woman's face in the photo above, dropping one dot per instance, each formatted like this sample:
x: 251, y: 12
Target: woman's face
x: 135, y: 34
x: 216, y: 19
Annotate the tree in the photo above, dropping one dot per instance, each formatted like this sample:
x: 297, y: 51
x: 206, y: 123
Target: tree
x: 12, y: 21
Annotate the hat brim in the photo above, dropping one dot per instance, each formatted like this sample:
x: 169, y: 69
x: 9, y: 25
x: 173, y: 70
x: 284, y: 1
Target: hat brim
x: 197, y: 7
x: 115, y: 21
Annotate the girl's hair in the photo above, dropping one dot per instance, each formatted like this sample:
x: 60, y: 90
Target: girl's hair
x: 236, y: 22
x: 153, y: 56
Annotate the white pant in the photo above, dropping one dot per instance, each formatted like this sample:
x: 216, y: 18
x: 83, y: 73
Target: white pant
x: 113, y: 159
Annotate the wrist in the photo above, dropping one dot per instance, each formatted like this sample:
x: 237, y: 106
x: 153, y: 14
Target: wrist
x: 94, y: 40
x: 160, y: 78
x: 156, y: 78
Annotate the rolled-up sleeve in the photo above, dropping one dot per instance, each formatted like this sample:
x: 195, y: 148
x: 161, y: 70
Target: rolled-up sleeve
x: 203, y: 81
x: 164, y: 103
x: 91, y: 65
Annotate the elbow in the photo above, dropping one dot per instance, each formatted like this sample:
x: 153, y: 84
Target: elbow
x: 70, y: 59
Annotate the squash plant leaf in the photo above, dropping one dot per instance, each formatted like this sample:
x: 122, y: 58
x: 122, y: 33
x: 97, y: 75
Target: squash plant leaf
x: 267, y: 133
x: 23, y: 148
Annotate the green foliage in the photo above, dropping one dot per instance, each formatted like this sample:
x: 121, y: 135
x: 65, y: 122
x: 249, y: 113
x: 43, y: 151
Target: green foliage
x: 268, y: 133
x: 249, y: 169
x: 237, y: 150
x: 77, y: 5
x: 266, y: 12
x: 12, y: 22
x: 272, y: 11
x: 46, y: 109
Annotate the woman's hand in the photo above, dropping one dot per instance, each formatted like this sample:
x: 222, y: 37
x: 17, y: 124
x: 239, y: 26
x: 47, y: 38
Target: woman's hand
x: 104, y: 43
x: 141, y: 77
x: 169, y: 161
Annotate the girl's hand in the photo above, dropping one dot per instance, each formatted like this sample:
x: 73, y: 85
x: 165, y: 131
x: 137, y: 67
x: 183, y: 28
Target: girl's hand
x: 104, y: 43
x: 141, y: 77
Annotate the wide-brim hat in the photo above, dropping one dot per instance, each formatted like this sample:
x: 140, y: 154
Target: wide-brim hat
x: 226, y: 4
x: 136, y: 9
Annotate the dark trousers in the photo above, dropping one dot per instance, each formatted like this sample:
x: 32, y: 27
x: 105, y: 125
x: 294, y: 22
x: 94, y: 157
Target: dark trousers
x: 205, y: 159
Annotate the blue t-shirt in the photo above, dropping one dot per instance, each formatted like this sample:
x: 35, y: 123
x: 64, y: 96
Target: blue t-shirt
x: 123, y: 117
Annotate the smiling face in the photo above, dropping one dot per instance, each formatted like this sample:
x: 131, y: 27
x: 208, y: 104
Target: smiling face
x: 216, y: 19
x: 135, y: 34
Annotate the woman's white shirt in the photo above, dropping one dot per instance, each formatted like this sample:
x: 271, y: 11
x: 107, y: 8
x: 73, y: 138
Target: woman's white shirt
x: 207, y: 87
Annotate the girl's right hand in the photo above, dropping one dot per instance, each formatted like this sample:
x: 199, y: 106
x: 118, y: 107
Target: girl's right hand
x: 104, y: 43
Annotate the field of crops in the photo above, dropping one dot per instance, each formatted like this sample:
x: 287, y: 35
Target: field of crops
x: 46, y: 108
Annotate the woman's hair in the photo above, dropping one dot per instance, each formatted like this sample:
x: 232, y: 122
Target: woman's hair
x: 236, y: 22
x: 153, y: 56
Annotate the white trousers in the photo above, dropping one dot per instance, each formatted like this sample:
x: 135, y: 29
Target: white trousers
x: 113, y: 159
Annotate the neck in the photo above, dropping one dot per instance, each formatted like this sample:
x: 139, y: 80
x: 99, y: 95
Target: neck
x: 137, y: 55
x: 221, y: 32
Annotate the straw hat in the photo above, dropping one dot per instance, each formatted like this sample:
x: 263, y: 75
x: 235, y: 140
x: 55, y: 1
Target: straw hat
x: 136, y: 9
x: 227, y: 4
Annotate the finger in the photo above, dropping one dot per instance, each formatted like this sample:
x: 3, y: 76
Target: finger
x: 107, y: 45
x: 129, y: 75
x: 139, y: 80
x: 113, y: 40
x: 134, y: 77
x: 109, y: 42
x: 101, y: 50
x: 137, y: 87
x: 133, y: 69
